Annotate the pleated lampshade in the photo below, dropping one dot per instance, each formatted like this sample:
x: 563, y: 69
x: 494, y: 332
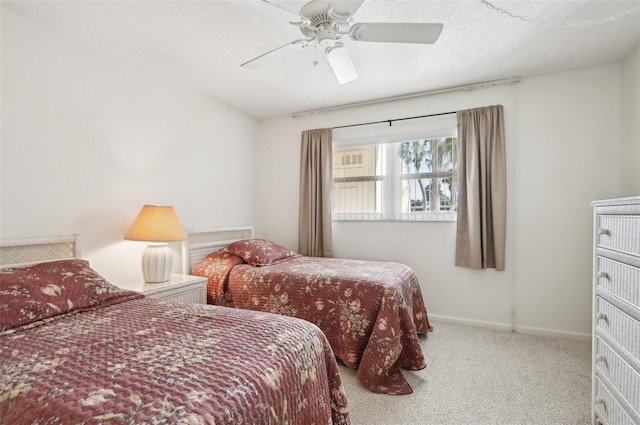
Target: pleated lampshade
x: 156, y: 223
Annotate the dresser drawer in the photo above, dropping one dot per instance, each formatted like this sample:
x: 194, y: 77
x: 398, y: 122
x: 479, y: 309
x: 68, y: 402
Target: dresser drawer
x: 622, y: 328
x: 619, y: 233
x: 607, y: 407
x: 619, y: 372
x: 620, y: 279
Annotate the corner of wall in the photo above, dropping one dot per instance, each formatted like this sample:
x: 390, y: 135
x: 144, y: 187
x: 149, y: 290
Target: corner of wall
x: 630, y: 123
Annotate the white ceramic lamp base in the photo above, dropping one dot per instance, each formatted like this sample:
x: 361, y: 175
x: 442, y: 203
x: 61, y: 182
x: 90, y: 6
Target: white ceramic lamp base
x: 157, y: 263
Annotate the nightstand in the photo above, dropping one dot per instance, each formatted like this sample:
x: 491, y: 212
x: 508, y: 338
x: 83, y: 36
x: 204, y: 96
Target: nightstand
x: 181, y: 287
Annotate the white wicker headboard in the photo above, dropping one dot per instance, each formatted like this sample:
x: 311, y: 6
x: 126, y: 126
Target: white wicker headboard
x: 202, y: 242
x: 18, y: 252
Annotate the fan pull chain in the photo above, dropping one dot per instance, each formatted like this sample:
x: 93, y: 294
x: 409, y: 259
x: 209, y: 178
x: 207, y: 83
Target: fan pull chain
x: 315, y: 53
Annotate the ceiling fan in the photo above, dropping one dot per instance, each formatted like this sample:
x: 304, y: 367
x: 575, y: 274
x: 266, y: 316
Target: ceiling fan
x: 327, y: 22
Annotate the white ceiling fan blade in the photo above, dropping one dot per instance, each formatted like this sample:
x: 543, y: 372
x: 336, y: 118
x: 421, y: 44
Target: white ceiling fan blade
x: 294, y: 18
x: 275, y: 54
x: 396, y: 32
x: 341, y: 63
x: 343, y: 10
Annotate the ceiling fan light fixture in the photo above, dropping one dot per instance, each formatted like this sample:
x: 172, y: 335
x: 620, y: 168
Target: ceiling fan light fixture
x: 341, y: 63
x: 326, y: 35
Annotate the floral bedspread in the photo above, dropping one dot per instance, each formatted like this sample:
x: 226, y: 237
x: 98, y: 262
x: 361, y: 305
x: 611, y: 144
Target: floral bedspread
x: 159, y: 362
x: 371, y: 312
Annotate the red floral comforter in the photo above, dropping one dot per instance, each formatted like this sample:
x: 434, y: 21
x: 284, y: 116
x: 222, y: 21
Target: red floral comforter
x: 371, y: 312
x: 152, y: 361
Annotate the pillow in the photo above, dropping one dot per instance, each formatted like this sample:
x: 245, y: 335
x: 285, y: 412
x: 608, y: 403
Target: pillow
x: 260, y: 252
x: 43, y: 290
x: 216, y: 267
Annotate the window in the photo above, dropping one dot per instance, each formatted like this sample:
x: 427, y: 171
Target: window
x: 411, y: 179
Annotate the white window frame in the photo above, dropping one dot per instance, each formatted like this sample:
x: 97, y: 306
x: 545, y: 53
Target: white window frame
x: 389, y: 134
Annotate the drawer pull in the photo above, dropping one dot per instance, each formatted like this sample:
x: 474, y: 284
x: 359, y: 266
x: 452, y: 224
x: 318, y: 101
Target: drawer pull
x: 600, y: 401
x: 602, y: 358
x: 602, y: 316
x: 604, y: 275
x: 602, y: 231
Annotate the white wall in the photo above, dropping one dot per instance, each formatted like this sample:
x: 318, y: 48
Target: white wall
x: 631, y: 124
x: 560, y: 130
x: 87, y: 141
x: 568, y: 148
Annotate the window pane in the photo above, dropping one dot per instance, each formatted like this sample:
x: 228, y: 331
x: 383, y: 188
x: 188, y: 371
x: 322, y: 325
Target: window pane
x: 410, y: 180
x: 430, y: 175
x: 355, y: 179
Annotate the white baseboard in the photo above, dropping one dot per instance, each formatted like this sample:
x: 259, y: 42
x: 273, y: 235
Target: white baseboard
x: 470, y: 322
x: 526, y: 330
x: 554, y: 333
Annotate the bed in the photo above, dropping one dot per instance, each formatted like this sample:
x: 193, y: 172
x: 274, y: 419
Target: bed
x: 371, y: 312
x: 76, y: 349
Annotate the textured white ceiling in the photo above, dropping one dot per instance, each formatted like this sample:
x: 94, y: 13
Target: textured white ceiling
x: 201, y: 44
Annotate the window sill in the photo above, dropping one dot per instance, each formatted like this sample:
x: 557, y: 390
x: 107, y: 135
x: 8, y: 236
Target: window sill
x: 404, y: 218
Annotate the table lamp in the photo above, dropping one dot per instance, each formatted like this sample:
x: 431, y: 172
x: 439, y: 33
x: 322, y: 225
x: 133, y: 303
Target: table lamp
x: 156, y: 224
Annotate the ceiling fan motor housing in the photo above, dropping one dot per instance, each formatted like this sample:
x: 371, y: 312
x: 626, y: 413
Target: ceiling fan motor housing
x: 324, y: 29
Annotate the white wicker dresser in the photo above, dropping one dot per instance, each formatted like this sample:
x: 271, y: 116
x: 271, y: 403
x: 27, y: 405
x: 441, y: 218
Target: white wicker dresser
x: 616, y: 312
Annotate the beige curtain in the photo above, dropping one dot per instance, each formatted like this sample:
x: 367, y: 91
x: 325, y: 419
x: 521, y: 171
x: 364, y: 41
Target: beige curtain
x: 314, y: 219
x: 482, y: 208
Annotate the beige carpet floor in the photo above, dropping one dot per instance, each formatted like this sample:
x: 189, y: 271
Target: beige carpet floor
x: 484, y: 377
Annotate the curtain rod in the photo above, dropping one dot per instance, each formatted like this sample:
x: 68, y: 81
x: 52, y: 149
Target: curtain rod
x: 394, y: 120
x: 466, y: 87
